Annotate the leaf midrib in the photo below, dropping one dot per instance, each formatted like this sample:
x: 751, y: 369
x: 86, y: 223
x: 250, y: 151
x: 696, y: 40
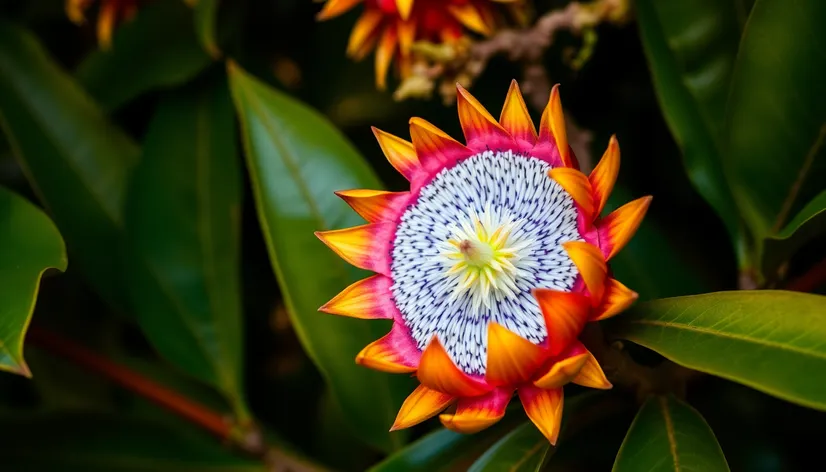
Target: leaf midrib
x: 738, y: 337
x: 669, y: 431
x: 292, y: 168
x: 204, y: 215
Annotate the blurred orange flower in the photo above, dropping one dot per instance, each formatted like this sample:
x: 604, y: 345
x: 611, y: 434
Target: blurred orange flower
x: 392, y: 26
x: 111, y: 12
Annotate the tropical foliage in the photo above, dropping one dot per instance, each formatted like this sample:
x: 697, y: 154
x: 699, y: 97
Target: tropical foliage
x: 165, y: 166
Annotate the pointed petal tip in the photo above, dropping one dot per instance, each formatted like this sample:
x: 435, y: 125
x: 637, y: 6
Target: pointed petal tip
x: 617, y: 299
x: 544, y: 409
x: 422, y: 403
x: 618, y: 227
x: 591, y: 375
x: 562, y: 372
x: 404, y: 7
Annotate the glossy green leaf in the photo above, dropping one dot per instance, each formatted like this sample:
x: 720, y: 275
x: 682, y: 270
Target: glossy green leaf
x: 31, y: 244
x: 183, y: 220
x: 523, y: 449
x: 296, y: 161
x: 157, y: 49
x: 526, y: 448
x: 771, y: 340
x: 805, y: 226
x: 80, y: 442
x: 75, y: 159
x: 443, y: 450
x: 777, y: 113
x: 691, y: 48
x: 669, y: 435
x: 206, y: 13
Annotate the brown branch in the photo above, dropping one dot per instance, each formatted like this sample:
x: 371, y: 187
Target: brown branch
x: 464, y: 61
x: 246, y: 438
x: 216, y: 423
x: 625, y: 373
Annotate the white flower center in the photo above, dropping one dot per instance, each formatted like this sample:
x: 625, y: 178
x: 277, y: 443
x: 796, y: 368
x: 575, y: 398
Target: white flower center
x: 480, y: 237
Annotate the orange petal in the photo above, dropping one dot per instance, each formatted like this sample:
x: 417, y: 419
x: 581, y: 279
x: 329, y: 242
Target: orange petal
x: 470, y: 17
x: 544, y: 408
x: 407, y: 34
x: 374, y: 205
x: 592, y: 375
x: 334, y: 8
x: 512, y: 359
x: 616, y: 229
x: 479, y: 127
x: 400, y: 153
x: 616, y: 299
x: 434, y: 147
x: 404, y: 7
x: 420, y: 405
x: 565, y: 369
x: 75, y: 10
x: 591, y: 265
x: 477, y: 413
x: 604, y: 175
x: 516, y: 119
x: 578, y: 187
x: 366, y: 27
x: 388, y: 354
x: 553, y: 124
x: 106, y: 23
x: 366, y: 247
x: 367, y: 299
x: 565, y: 315
x: 437, y: 371
x: 384, y: 54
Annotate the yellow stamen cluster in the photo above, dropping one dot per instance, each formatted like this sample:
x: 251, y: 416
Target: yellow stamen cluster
x: 484, y: 254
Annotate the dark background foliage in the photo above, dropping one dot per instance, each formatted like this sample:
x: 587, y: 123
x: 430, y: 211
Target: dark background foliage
x: 65, y: 413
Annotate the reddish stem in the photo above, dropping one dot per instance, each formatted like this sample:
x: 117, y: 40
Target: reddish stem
x: 190, y: 410
x: 812, y: 279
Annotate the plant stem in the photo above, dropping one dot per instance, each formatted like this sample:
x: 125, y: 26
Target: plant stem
x: 216, y: 423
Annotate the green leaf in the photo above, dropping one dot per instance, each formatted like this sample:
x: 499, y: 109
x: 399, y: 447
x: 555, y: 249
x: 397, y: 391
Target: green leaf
x: 79, y: 164
x: 523, y: 449
x: 80, y: 442
x: 443, y: 450
x: 809, y: 223
x: 777, y: 113
x: 669, y: 435
x: 771, y: 340
x: 31, y: 244
x: 526, y: 448
x: 74, y: 158
x: 296, y: 161
x: 206, y: 13
x: 157, y: 49
x: 183, y: 219
x: 691, y: 48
